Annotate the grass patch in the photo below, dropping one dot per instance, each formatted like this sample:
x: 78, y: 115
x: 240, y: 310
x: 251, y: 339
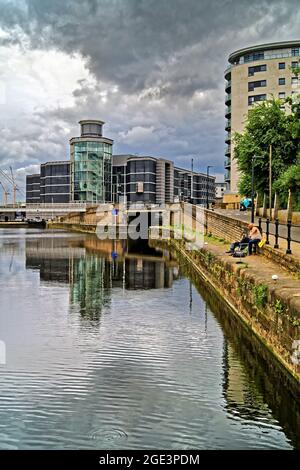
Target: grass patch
x: 260, y: 295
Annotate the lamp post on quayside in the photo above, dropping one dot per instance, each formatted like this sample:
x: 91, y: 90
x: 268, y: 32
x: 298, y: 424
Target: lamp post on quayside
x: 252, y: 187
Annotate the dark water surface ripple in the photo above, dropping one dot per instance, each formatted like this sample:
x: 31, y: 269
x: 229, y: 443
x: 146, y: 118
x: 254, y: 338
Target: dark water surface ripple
x: 110, y: 352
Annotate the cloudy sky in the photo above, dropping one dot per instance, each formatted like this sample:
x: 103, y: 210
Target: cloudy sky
x: 152, y: 69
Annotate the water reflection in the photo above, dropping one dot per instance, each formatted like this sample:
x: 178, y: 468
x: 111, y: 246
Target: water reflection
x: 113, y: 346
x: 93, y: 267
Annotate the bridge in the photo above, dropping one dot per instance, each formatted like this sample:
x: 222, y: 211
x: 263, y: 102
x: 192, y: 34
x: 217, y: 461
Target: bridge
x: 44, y: 211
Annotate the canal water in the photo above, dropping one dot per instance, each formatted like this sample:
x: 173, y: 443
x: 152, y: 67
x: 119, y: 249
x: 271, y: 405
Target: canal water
x: 110, y: 346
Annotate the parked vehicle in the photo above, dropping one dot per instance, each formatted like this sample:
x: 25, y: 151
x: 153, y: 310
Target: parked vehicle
x: 245, y: 204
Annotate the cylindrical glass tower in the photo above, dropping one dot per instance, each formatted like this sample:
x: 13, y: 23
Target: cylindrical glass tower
x: 91, y: 164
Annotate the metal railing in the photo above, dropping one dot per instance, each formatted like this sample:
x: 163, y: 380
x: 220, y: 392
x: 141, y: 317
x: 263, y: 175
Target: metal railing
x: 273, y: 229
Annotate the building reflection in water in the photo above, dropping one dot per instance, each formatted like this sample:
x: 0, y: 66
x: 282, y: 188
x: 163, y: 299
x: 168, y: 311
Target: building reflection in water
x: 255, y: 388
x: 93, y: 267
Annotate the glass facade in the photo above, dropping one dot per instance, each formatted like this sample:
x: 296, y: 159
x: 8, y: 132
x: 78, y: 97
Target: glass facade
x: 33, y: 189
x: 201, y: 187
x: 91, y: 171
x: 141, y: 180
x: 55, y: 182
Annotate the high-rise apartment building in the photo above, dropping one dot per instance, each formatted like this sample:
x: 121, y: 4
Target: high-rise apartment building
x: 256, y: 74
x: 91, y: 165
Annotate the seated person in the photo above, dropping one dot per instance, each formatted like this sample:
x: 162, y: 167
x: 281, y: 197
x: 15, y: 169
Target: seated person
x: 244, y: 241
x: 255, y: 237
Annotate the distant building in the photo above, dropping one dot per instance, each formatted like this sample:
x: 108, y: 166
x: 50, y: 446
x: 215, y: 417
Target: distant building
x: 193, y: 187
x: 156, y: 180
x: 91, y: 164
x: 93, y: 175
x: 220, y: 189
x: 143, y: 179
x: 55, y: 182
x: 33, y: 188
x: 256, y: 74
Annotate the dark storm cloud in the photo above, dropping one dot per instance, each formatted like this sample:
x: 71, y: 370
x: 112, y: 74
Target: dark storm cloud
x: 166, y: 58
x: 131, y: 42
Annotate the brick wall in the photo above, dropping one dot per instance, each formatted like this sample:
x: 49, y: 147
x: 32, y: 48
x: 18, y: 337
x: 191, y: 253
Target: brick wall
x: 224, y: 227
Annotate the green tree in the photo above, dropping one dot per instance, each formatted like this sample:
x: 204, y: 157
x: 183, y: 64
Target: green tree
x: 267, y: 124
x: 290, y: 179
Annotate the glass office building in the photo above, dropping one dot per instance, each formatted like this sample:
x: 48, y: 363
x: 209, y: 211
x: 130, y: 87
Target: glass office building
x: 91, y: 164
x: 55, y: 182
x: 33, y: 183
x: 149, y: 179
x: 142, y: 179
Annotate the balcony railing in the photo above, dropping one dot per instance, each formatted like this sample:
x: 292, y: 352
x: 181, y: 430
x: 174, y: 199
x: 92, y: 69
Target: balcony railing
x: 228, y: 124
x: 227, y: 176
x: 227, y: 149
x: 227, y: 163
x: 228, y: 85
x: 228, y: 137
x: 227, y: 71
x: 228, y: 111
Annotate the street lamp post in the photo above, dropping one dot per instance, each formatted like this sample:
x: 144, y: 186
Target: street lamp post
x: 192, y: 182
x: 207, y: 176
x: 252, y: 187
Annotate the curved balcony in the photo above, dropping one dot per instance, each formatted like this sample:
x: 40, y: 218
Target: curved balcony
x: 227, y: 163
x: 228, y: 112
x: 227, y: 149
x: 228, y: 86
x: 227, y: 125
x: 227, y: 73
x: 228, y: 138
x: 227, y: 176
x: 228, y: 98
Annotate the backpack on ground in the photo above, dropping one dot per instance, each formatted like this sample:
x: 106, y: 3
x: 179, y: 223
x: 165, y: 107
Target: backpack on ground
x: 239, y: 254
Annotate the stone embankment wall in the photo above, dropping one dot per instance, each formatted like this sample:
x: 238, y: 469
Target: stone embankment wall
x: 90, y: 217
x: 84, y: 221
x: 272, y: 318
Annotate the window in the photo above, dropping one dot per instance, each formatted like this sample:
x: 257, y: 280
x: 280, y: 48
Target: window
x: 295, y: 65
x: 257, y: 84
x: 281, y: 81
x: 281, y: 65
x: 295, y: 51
x: 294, y: 81
x: 254, y: 98
x: 254, y: 56
x: 140, y: 166
x: 255, y: 69
x: 281, y: 95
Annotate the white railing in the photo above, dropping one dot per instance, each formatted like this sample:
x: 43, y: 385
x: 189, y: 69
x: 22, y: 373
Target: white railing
x: 49, y: 205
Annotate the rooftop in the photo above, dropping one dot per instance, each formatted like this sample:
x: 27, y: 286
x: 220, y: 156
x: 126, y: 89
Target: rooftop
x: 263, y: 47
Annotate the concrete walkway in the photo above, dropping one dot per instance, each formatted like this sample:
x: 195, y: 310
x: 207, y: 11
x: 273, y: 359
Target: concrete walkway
x: 246, y: 217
